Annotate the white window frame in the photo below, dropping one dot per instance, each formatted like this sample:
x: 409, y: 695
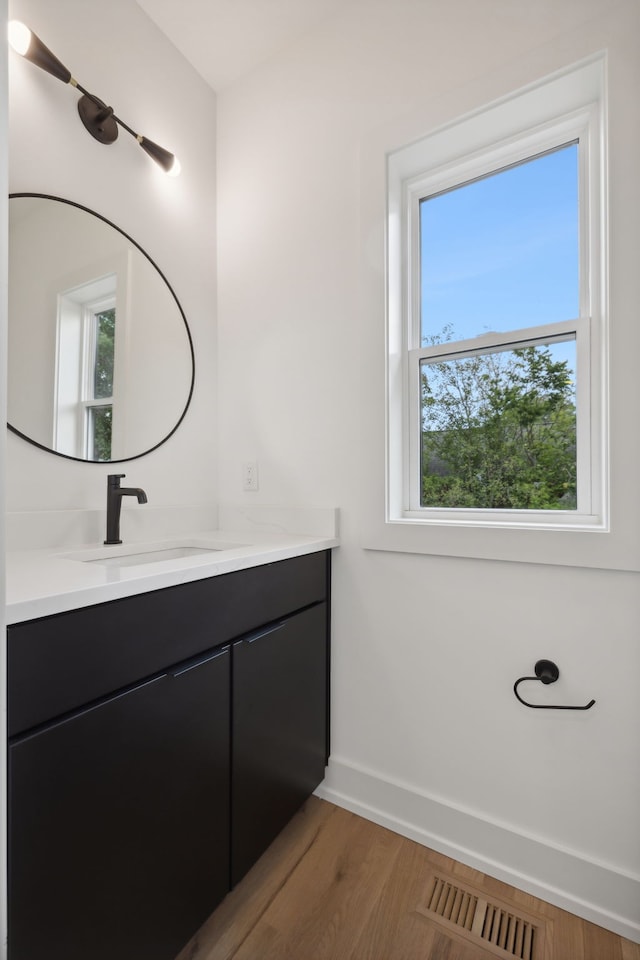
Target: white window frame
x: 75, y: 353
x: 538, y: 120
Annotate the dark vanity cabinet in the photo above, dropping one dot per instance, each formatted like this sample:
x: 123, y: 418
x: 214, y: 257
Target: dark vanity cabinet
x: 158, y: 744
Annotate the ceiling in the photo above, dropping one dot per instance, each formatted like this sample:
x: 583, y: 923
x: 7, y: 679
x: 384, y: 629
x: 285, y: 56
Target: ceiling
x: 224, y: 39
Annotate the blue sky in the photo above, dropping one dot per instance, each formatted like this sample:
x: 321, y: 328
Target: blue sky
x: 502, y: 252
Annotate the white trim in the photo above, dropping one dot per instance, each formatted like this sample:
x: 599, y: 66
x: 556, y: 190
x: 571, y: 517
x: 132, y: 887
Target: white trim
x: 77, y: 308
x: 575, y: 96
x: 595, y: 891
x: 577, y: 126
x: 573, y: 87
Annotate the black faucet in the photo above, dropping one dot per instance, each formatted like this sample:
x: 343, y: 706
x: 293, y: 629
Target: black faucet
x: 115, y: 493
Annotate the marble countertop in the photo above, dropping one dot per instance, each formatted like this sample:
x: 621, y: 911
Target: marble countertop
x: 41, y: 582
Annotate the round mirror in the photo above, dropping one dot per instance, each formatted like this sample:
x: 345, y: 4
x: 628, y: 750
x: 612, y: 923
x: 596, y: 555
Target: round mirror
x: 101, y: 362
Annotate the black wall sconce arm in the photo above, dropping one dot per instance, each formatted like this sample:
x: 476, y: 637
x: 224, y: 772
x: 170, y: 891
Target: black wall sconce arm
x: 546, y: 672
x: 97, y: 117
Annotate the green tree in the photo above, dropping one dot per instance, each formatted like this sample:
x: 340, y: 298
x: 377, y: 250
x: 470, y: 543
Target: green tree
x: 499, y: 431
x: 105, y: 353
x: 102, y: 416
x: 102, y: 422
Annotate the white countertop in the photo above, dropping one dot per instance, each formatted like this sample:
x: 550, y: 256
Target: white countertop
x: 41, y: 582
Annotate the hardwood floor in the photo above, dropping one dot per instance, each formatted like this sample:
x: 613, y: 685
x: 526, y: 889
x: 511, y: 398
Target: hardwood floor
x: 336, y: 887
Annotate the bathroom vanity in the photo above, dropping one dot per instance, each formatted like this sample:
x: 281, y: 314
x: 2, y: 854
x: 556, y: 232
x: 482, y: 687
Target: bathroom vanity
x: 158, y: 742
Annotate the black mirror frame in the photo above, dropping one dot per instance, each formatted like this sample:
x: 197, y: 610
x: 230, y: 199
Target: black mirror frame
x: 65, y: 456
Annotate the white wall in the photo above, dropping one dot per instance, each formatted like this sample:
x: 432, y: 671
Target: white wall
x: 4, y: 98
x: 427, y: 735
x: 117, y: 53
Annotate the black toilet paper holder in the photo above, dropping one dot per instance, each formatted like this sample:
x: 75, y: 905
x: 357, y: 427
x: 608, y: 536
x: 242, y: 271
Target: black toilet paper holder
x: 546, y: 672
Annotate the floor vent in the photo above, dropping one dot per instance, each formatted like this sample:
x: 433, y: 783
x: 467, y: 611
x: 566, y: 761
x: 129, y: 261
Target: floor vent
x: 466, y: 913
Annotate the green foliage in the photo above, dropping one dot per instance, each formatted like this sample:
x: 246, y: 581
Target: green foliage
x: 103, y: 383
x: 499, y: 431
x: 102, y: 422
x: 105, y: 353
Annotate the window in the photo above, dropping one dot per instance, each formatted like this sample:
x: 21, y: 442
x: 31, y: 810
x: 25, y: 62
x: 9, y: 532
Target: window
x: 83, y: 409
x: 99, y: 331
x: 498, y: 264
x: 496, y: 359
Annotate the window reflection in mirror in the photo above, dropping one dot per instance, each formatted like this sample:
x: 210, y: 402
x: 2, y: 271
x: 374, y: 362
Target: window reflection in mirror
x: 100, y: 421
x: 82, y: 383
x: 85, y: 360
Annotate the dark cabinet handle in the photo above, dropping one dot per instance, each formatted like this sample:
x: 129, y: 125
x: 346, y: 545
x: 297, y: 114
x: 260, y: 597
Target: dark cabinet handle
x: 263, y: 632
x: 199, y: 661
x: 546, y: 672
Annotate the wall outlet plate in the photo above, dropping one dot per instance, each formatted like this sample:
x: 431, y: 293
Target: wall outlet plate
x: 250, y: 475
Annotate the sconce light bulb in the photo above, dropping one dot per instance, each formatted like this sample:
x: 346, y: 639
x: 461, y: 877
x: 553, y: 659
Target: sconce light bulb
x: 19, y: 37
x: 168, y: 161
x: 31, y: 47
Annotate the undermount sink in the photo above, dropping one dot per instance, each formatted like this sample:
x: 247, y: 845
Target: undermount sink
x: 152, y: 556
x: 137, y: 554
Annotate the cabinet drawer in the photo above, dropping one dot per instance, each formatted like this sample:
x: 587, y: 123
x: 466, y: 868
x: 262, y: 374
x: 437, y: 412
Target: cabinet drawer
x: 59, y: 663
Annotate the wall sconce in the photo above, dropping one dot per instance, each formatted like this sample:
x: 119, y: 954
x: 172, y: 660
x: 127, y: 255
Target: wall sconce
x: 98, y: 118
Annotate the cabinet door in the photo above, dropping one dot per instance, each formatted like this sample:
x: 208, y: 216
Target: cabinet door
x: 279, y: 726
x: 119, y: 821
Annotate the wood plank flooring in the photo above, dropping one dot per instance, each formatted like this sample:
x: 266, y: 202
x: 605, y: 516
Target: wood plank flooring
x: 336, y: 887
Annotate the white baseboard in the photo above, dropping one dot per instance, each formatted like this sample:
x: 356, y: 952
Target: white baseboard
x: 591, y: 890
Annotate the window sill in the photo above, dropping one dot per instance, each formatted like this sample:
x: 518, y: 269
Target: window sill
x: 502, y: 520
x: 576, y: 546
